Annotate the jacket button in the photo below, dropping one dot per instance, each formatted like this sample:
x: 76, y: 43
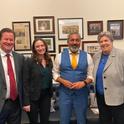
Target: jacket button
x: 105, y: 88
x: 104, y: 76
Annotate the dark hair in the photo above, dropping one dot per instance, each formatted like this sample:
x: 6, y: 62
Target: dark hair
x: 6, y: 30
x: 46, y: 55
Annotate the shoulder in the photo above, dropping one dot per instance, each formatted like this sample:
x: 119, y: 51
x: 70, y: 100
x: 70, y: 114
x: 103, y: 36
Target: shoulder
x: 18, y: 57
x: 84, y: 53
x: 118, y: 52
x: 15, y: 54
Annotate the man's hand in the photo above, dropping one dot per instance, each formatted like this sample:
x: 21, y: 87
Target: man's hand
x: 66, y: 83
x: 78, y: 85
x: 26, y: 108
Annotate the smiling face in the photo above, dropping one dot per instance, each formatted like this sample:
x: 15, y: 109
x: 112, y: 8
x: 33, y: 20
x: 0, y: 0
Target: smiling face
x: 40, y: 47
x: 74, y: 43
x: 106, y: 44
x: 7, y: 42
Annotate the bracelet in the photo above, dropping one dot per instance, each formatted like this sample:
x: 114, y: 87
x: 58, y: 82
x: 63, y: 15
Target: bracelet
x: 85, y: 83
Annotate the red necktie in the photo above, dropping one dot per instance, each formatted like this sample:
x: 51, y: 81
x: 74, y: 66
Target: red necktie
x: 13, y: 92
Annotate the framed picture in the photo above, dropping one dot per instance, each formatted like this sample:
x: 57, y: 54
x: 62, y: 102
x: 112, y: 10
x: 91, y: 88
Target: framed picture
x: 22, y: 35
x: 50, y: 42
x: 116, y: 28
x: 90, y: 46
x: 53, y: 57
x: 69, y: 25
x: 94, y: 27
x: 62, y: 46
x: 44, y: 25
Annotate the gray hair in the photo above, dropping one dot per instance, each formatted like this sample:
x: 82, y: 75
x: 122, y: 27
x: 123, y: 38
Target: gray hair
x: 72, y: 34
x: 107, y: 34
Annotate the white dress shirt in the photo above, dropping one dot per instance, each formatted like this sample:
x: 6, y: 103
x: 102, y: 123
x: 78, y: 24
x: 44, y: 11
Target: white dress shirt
x: 4, y: 63
x: 56, y: 67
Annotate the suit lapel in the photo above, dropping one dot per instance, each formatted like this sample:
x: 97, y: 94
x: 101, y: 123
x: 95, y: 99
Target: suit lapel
x: 96, y: 64
x: 110, y: 59
x: 2, y: 70
x: 16, y: 62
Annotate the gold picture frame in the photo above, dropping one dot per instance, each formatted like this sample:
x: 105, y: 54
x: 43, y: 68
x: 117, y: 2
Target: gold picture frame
x: 22, y: 35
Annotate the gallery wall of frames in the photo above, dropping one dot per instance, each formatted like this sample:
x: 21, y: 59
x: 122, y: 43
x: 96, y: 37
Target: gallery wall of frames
x: 44, y: 27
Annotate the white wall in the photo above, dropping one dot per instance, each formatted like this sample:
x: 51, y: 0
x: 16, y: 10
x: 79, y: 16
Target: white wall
x: 90, y: 10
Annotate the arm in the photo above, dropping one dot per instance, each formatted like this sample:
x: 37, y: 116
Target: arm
x: 26, y: 74
x: 56, y: 73
x: 66, y: 83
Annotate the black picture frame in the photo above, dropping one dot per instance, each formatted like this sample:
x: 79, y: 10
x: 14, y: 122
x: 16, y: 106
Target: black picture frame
x: 94, y: 27
x: 50, y: 41
x: 116, y: 28
x: 44, y: 24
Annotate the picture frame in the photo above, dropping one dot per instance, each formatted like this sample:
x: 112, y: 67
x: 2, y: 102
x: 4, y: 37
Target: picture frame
x: 22, y: 31
x: 94, y: 27
x: 90, y: 47
x: 53, y: 57
x: 44, y: 25
x: 69, y: 25
x: 50, y: 42
x: 116, y: 28
x: 62, y: 47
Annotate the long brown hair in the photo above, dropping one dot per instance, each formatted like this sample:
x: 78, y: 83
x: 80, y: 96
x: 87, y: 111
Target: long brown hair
x: 46, y: 54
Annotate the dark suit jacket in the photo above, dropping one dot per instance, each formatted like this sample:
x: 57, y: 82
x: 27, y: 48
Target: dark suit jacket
x: 33, y: 81
x: 19, y: 62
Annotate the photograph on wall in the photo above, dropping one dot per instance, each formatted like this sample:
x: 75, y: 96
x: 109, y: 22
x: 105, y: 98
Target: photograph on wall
x: 116, y: 28
x: 62, y: 47
x: 44, y: 25
x: 90, y: 46
x: 50, y: 40
x: 22, y: 35
x: 69, y: 25
x: 94, y: 27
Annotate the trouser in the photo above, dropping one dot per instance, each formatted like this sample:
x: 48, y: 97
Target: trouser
x: 11, y: 112
x: 40, y: 108
x: 69, y: 101
x: 109, y: 114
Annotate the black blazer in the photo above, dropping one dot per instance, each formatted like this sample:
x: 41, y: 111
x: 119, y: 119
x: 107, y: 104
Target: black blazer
x: 33, y: 81
x: 19, y: 63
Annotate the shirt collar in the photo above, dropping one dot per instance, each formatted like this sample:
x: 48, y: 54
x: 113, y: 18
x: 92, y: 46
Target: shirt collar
x: 72, y: 53
x: 4, y: 53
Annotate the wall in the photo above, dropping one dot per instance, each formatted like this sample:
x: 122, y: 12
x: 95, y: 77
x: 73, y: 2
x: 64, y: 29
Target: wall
x: 90, y: 10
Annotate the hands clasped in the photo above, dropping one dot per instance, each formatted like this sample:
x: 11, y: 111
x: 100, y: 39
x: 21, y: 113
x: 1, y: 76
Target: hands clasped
x: 75, y: 85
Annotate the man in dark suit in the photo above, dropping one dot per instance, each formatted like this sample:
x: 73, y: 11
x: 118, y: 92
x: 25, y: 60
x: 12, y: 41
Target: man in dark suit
x: 10, y: 84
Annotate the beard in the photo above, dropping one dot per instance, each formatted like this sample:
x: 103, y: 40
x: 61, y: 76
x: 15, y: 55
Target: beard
x: 74, y: 49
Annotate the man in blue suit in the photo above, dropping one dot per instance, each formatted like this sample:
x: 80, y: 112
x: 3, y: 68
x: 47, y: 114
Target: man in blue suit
x: 73, y: 76
x: 10, y: 107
